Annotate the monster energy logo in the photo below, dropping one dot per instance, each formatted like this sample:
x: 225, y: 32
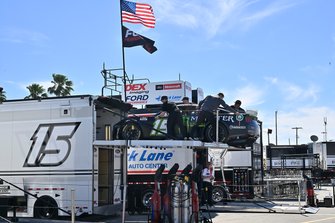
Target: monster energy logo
x: 239, y: 117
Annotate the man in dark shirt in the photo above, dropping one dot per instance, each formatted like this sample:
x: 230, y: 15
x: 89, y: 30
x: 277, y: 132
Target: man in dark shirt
x: 174, y: 118
x: 237, y: 106
x: 207, y: 106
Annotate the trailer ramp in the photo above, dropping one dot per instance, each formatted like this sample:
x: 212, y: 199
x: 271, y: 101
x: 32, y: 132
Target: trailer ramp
x: 263, y: 206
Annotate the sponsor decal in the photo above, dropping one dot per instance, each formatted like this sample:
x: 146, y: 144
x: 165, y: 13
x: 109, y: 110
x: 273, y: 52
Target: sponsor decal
x: 159, y: 87
x: 239, y: 117
x: 160, y: 125
x: 237, y: 127
x: 291, y: 163
x: 51, y: 144
x: 136, y: 87
x: 248, y: 119
x: 168, y: 86
x: 145, y: 155
x: 227, y: 118
x: 171, y: 98
x: 172, y: 86
x: 147, y: 160
x: 133, y: 99
x: 142, y: 166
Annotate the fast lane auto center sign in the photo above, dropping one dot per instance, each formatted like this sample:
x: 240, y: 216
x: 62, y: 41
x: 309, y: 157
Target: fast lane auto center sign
x: 147, y: 161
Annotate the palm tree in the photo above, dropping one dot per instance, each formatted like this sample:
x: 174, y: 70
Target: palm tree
x: 62, y: 86
x: 2, y: 95
x: 36, y: 91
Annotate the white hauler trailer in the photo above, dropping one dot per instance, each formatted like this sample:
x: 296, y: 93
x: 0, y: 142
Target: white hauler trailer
x: 48, y: 153
x: 144, y: 157
x: 326, y: 151
x: 233, y: 170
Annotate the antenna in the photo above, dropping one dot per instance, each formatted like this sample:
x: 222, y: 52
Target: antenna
x: 296, y: 134
x: 325, y: 132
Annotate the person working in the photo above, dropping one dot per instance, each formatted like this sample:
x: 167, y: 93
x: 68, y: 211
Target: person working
x: 207, y: 106
x: 186, y: 100
x: 174, y: 118
x: 187, y: 108
x: 207, y: 186
x: 237, y: 106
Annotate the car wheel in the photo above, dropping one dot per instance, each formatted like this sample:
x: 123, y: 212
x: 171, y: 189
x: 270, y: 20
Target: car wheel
x: 45, y: 207
x: 210, y: 133
x: 131, y: 131
x: 218, y: 194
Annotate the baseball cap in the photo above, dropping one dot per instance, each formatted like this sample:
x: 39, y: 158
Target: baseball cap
x: 164, y: 98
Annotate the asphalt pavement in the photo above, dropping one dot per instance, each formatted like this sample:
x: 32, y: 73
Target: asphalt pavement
x: 234, y: 212
x: 323, y: 215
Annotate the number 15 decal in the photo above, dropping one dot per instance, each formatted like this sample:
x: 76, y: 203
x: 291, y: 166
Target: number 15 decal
x: 51, y: 144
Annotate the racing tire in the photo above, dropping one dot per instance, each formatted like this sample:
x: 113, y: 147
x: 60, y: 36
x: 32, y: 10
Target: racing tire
x: 210, y: 135
x: 45, y: 207
x: 131, y: 131
x: 218, y: 194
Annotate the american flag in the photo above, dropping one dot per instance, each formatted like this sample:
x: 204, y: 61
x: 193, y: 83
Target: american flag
x: 138, y: 13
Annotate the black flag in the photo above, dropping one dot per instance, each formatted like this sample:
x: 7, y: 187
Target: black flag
x: 131, y: 39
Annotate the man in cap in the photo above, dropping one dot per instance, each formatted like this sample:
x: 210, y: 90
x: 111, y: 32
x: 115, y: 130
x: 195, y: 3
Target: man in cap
x: 207, y: 108
x: 237, y: 106
x: 186, y: 100
x: 174, y: 118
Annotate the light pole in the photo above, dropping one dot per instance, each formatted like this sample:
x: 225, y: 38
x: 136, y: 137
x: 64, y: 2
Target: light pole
x: 296, y: 134
x: 269, y: 132
x: 276, y: 119
x: 325, y: 122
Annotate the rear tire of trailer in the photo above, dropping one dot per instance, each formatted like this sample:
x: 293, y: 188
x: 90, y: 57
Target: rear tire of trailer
x: 131, y: 131
x: 210, y: 135
x: 145, y: 198
x: 45, y: 207
x: 218, y: 194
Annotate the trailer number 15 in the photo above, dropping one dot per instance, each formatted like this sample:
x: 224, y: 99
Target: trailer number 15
x: 51, y: 144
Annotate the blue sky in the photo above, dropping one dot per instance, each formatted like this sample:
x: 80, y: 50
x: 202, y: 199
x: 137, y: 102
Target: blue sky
x: 274, y: 55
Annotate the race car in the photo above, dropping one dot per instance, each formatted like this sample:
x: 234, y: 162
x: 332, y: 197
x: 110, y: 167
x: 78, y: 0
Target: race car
x: 236, y: 130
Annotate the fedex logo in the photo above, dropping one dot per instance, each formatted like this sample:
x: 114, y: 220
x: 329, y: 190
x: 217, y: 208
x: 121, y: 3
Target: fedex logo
x: 130, y: 33
x: 51, y: 144
x: 136, y: 87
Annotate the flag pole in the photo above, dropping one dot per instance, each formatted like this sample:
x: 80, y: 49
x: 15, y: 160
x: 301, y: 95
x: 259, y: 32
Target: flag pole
x: 123, y: 56
x: 124, y: 154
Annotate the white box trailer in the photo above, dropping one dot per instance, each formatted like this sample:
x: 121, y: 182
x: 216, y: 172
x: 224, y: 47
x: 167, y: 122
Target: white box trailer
x: 233, y: 168
x: 47, y: 151
x: 144, y: 157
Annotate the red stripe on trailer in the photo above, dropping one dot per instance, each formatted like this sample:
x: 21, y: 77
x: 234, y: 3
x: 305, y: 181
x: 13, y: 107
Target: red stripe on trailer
x: 46, y: 188
x: 150, y: 171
